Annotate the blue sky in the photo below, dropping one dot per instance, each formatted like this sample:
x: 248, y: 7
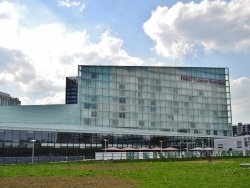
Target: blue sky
x: 43, y: 41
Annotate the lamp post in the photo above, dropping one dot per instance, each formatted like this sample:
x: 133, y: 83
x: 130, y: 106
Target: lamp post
x: 161, y: 144
x: 180, y: 146
x: 105, y: 144
x: 33, y: 148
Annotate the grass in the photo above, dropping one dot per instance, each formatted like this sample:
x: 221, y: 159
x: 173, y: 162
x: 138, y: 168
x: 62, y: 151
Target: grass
x: 199, y: 173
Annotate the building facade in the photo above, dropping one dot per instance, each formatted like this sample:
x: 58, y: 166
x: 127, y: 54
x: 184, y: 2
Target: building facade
x: 241, y: 129
x: 71, y: 93
x: 121, y: 106
x: 239, y: 143
x: 7, y: 100
x: 194, y: 101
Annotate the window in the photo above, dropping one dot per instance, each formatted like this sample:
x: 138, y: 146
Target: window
x: 90, y: 106
x: 114, y: 122
x: 93, y: 114
x: 239, y: 144
x: 122, y: 115
x: 152, y: 102
x: 121, y: 86
x: 122, y: 100
x: 93, y: 98
x: 141, y: 101
x: 192, y: 125
x: 215, y: 132
x: 157, y: 82
x: 158, y: 88
x: 122, y: 108
x: 176, y: 111
x: 225, y: 133
x: 152, y: 109
x: 94, y: 75
x: 152, y: 124
x: 220, y: 146
x: 87, y: 121
x: 121, y: 93
x: 140, y: 80
x: 141, y: 123
x: 140, y: 87
x: 176, y: 104
x: 87, y: 105
x: 201, y: 93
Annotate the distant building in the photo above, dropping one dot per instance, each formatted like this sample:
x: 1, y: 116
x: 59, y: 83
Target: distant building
x: 240, y: 143
x: 7, y: 100
x: 241, y: 129
x: 71, y: 90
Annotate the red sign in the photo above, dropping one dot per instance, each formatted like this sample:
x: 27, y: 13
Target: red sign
x: 202, y: 80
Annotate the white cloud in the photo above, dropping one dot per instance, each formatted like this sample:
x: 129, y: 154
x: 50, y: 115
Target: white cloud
x: 70, y: 4
x: 37, y: 59
x: 214, y: 25
x: 58, y: 98
x: 240, y: 89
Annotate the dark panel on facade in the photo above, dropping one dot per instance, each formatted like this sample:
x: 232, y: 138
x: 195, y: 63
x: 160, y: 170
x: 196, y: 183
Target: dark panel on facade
x: 71, y: 90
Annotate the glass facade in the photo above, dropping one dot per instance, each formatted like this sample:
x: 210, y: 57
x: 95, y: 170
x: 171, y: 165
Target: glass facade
x: 124, y: 106
x: 17, y: 143
x: 189, y: 100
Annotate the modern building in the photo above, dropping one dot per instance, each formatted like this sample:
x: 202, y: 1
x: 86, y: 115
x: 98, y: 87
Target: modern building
x: 7, y: 100
x: 241, y: 129
x: 240, y: 143
x: 124, y: 106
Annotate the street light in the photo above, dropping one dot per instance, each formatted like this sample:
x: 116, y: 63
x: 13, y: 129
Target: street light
x: 180, y: 146
x: 161, y: 145
x: 33, y: 147
x: 105, y: 144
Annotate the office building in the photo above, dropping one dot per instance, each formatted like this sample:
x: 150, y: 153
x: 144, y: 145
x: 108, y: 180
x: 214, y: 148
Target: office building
x: 124, y: 106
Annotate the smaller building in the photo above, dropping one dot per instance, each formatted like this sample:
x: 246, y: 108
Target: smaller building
x: 239, y: 143
x: 241, y: 129
x: 7, y: 100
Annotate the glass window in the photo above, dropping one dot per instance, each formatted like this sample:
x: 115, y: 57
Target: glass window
x: 122, y: 100
x: 93, y: 114
x: 121, y: 86
x: 87, y: 121
x: 15, y: 136
x: 94, y: 75
x: 122, y: 108
x: 44, y: 137
x: 122, y: 115
x: 8, y: 136
x: 1, y: 135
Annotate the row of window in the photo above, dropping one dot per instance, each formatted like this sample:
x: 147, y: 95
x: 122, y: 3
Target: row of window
x: 191, y: 101
x: 141, y: 77
x: 166, y: 86
x: 146, y: 69
x: 166, y: 119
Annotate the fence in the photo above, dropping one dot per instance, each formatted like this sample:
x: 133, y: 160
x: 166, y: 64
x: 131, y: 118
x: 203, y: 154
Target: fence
x: 166, y: 155
x: 122, y: 156
x: 40, y: 159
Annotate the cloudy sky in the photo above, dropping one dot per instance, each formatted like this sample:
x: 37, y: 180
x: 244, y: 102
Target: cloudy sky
x: 43, y: 41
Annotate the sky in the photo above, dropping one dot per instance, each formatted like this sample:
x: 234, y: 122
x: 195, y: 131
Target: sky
x: 42, y: 42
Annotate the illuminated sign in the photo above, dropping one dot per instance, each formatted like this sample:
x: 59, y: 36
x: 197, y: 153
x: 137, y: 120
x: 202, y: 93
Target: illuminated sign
x: 202, y: 80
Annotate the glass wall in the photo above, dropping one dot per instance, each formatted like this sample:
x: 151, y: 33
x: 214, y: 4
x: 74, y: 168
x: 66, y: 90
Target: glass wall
x: 171, y: 99
x: 17, y: 143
